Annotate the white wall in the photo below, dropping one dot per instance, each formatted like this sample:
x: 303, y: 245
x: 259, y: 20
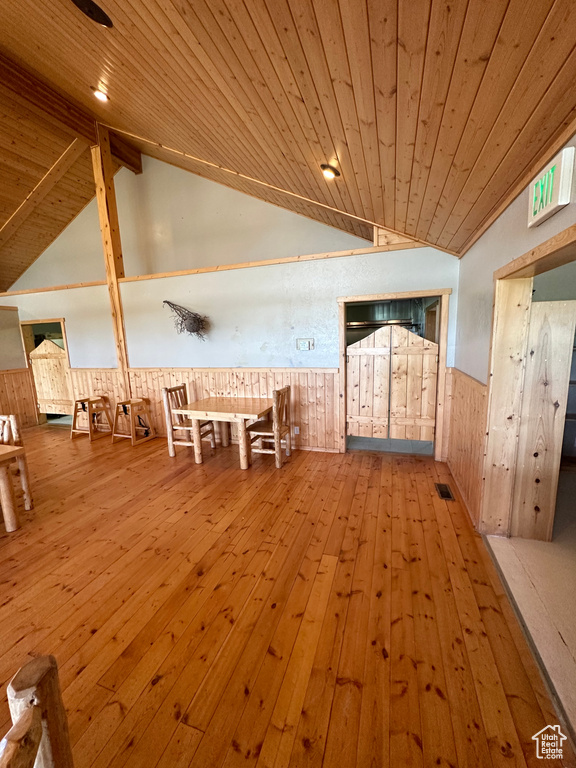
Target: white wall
x: 257, y: 314
x: 172, y: 220
x: 508, y: 238
x: 11, y: 348
x: 86, y: 312
x: 556, y: 285
x: 74, y: 257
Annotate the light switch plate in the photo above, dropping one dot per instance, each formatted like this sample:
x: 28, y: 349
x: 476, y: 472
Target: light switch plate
x: 304, y: 345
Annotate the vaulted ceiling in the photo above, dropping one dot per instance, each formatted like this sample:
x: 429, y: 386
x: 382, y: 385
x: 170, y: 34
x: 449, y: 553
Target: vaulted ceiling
x: 435, y: 112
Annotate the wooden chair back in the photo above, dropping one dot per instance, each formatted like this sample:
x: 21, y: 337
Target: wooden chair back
x: 9, y: 430
x: 176, y: 397
x: 281, y: 408
x: 39, y: 734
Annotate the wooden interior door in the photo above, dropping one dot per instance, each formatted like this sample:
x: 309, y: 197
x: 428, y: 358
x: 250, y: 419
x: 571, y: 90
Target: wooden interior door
x: 391, y: 379
x: 414, y: 377
x: 51, y: 372
x: 368, y: 385
x: 542, y: 414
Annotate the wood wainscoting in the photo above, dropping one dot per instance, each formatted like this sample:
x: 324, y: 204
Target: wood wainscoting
x: 467, y: 431
x: 314, y: 393
x: 17, y: 395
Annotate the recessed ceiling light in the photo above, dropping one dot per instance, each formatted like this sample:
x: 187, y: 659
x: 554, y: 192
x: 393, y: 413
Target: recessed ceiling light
x: 329, y: 171
x: 94, y: 12
x: 100, y: 94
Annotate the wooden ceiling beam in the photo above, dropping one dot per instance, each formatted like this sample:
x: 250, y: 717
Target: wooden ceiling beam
x: 112, y: 245
x: 52, y: 108
x: 44, y: 186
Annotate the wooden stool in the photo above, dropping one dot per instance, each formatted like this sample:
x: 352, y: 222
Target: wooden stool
x: 137, y: 411
x: 8, y: 453
x: 93, y: 407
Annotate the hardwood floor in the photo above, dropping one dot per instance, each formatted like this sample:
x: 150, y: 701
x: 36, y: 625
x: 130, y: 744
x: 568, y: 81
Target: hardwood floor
x: 335, y: 612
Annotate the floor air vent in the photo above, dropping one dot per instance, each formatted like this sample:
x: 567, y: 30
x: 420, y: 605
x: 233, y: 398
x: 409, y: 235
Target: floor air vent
x: 444, y: 491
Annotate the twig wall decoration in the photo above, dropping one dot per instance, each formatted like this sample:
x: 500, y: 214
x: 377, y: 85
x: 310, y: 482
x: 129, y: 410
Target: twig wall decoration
x: 190, y: 322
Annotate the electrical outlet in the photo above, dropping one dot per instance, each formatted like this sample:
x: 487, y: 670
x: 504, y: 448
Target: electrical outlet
x: 296, y: 430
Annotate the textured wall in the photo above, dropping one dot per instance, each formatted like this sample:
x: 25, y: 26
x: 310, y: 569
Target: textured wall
x: 11, y: 349
x: 508, y: 238
x: 257, y: 314
x: 172, y: 220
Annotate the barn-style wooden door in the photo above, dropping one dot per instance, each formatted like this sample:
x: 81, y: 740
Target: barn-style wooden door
x: 51, y: 372
x: 368, y: 385
x: 391, y: 380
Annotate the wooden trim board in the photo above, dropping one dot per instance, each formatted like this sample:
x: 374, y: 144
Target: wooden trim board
x: 440, y: 444
x: 52, y: 288
x: 110, y: 230
x: 396, y: 295
x: 554, y: 252
x: 507, y: 356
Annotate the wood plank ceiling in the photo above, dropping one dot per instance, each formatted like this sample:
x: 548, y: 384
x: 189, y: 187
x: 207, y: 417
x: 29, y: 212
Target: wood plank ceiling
x: 435, y: 112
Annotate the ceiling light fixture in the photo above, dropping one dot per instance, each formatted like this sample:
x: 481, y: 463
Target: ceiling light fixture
x: 94, y: 12
x: 329, y: 171
x: 99, y: 93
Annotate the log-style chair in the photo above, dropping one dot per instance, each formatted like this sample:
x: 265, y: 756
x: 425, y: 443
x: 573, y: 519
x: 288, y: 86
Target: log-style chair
x: 277, y: 430
x: 39, y: 734
x: 10, y: 435
x: 176, y: 397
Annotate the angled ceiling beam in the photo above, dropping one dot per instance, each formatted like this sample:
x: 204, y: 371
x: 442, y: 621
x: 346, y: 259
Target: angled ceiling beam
x: 44, y: 186
x: 41, y: 100
x: 112, y: 245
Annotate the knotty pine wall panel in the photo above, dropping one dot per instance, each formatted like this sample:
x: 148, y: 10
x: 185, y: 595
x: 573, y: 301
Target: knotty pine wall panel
x: 87, y: 382
x: 314, y: 393
x: 17, y: 395
x: 467, y: 431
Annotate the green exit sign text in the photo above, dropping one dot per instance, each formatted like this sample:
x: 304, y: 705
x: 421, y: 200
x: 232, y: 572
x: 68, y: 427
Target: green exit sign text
x: 552, y: 189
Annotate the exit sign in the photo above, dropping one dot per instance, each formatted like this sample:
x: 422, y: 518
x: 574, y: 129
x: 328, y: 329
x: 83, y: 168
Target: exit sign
x: 552, y: 190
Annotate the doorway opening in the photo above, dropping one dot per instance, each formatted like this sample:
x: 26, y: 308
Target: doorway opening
x: 47, y: 356
x: 532, y: 485
x: 392, y: 370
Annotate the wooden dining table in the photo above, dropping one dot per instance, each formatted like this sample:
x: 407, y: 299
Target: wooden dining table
x: 226, y: 410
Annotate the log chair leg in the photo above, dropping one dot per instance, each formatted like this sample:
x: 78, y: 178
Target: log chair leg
x: 197, y: 441
x: 170, y: 436
x: 244, y: 444
x: 289, y: 443
x: 7, y: 499
x: 278, y: 450
x: 225, y: 433
x: 25, y: 482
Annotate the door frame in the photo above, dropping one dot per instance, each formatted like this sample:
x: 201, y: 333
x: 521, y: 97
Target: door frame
x: 440, y: 447
x: 508, y: 347
x: 60, y: 320
x: 42, y: 416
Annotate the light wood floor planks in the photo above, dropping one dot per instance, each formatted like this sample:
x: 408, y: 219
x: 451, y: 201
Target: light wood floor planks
x: 332, y: 613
